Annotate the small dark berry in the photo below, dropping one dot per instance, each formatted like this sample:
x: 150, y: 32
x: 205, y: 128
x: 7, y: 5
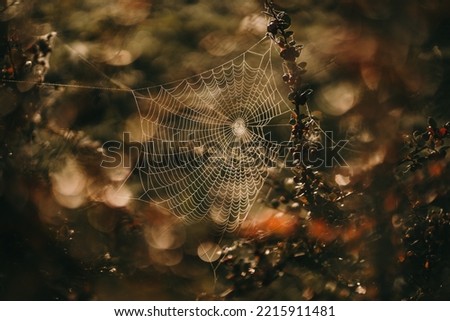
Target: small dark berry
x: 287, y: 34
x: 284, y: 19
x: 302, y: 98
x: 272, y: 27
x: 275, y: 203
x: 289, y: 54
x: 302, y: 65
x: 432, y: 123
x: 426, y: 136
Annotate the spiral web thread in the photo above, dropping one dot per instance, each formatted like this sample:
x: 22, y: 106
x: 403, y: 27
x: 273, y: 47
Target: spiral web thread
x: 207, y: 150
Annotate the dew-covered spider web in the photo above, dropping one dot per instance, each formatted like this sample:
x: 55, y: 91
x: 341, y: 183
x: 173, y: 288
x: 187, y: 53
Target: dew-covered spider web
x: 209, y: 139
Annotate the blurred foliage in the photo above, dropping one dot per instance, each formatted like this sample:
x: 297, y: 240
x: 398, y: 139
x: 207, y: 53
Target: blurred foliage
x: 376, y: 229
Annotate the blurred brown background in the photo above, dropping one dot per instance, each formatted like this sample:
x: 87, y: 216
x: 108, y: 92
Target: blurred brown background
x: 379, y: 69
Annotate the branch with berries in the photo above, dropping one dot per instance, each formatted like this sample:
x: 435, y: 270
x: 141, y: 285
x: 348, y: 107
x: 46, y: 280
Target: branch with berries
x: 277, y: 30
x: 305, y: 127
x: 428, y: 144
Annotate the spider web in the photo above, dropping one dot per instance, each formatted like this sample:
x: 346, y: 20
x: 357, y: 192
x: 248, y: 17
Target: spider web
x: 207, y: 150
x: 208, y: 139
